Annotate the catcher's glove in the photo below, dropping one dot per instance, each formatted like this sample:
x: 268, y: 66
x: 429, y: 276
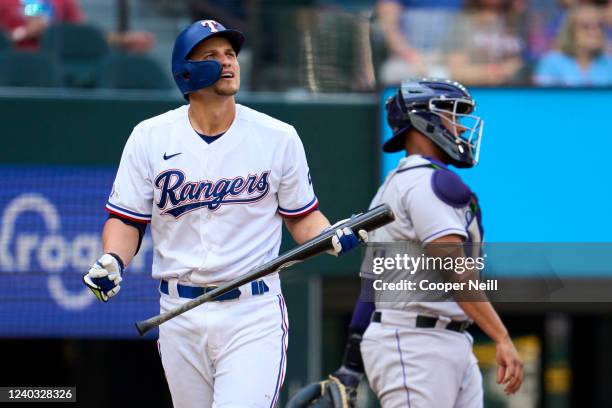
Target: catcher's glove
x: 330, y: 393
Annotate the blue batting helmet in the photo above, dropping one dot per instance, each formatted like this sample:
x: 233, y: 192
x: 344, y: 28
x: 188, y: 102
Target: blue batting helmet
x: 441, y: 110
x: 193, y: 75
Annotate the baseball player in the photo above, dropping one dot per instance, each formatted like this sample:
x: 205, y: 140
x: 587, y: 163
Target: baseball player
x: 215, y: 179
x: 416, y: 352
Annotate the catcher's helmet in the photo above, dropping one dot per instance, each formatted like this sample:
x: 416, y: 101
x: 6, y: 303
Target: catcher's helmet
x: 441, y: 110
x: 193, y: 75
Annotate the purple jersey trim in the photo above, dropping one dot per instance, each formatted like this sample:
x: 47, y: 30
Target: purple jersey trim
x: 399, y: 350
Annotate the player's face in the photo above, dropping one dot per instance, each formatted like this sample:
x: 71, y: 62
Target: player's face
x: 219, y: 49
x: 449, y: 121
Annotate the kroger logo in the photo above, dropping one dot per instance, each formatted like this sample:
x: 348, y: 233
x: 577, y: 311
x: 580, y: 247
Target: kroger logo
x: 32, y: 240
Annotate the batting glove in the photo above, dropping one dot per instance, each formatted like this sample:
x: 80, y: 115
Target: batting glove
x: 345, y: 239
x: 104, y: 277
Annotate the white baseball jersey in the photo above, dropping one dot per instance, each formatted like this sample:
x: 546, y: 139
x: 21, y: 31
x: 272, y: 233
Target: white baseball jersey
x: 215, y: 209
x: 420, y: 217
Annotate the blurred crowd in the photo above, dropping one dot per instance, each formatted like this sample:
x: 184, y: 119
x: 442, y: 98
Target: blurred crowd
x: 318, y: 45
x: 50, y: 43
x: 499, y: 42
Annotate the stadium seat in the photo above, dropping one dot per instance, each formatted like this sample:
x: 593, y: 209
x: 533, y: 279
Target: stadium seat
x: 19, y: 68
x: 130, y: 71
x: 79, y: 48
x: 5, y: 43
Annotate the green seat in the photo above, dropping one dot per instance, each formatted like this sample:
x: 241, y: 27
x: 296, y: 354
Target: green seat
x: 5, y: 43
x: 79, y: 48
x: 130, y: 71
x: 19, y: 68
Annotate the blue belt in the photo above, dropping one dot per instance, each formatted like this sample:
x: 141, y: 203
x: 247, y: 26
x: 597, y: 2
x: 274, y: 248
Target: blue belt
x: 191, y: 292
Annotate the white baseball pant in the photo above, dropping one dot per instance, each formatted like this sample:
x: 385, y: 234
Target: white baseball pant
x: 226, y: 354
x: 412, y: 367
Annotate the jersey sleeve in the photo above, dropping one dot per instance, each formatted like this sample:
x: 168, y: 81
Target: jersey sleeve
x: 431, y: 217
x: 296, y: 196
x: 132, y: 194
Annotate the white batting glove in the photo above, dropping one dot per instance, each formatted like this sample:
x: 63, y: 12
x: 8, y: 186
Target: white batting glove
x: 104, y: 277
x: 345, y: 239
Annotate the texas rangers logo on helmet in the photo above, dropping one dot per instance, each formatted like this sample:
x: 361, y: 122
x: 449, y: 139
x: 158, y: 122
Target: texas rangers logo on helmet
x: 179, y: 197
x: 211, y: 25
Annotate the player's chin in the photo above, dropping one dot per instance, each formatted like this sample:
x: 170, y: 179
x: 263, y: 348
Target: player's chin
x: 227, y: 89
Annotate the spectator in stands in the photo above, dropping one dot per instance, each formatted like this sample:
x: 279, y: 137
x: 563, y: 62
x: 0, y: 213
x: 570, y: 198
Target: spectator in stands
x: 233, y: 13
x: 414, y: 32
x: 545, y: 20
x: 26, y: 20
x: 608, y: 20
x: 581, y: 59
x: 483, y: 47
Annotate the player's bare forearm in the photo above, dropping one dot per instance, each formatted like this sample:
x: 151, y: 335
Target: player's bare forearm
x: 120, y: 239
x: 486, y: 318
x: 509, y: 364
x: 481, y: 310
x: 307, y: 227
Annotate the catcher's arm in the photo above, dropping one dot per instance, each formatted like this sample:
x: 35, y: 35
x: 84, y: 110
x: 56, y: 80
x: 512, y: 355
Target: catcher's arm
x: 479, y: 309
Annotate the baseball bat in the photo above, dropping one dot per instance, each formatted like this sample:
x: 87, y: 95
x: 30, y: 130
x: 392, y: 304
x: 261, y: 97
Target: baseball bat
x: 370, y: 220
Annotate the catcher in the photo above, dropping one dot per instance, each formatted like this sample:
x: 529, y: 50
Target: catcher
x: 418, y: 353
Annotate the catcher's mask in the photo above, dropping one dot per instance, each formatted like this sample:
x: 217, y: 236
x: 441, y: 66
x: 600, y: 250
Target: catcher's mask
x: 441, y: 110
